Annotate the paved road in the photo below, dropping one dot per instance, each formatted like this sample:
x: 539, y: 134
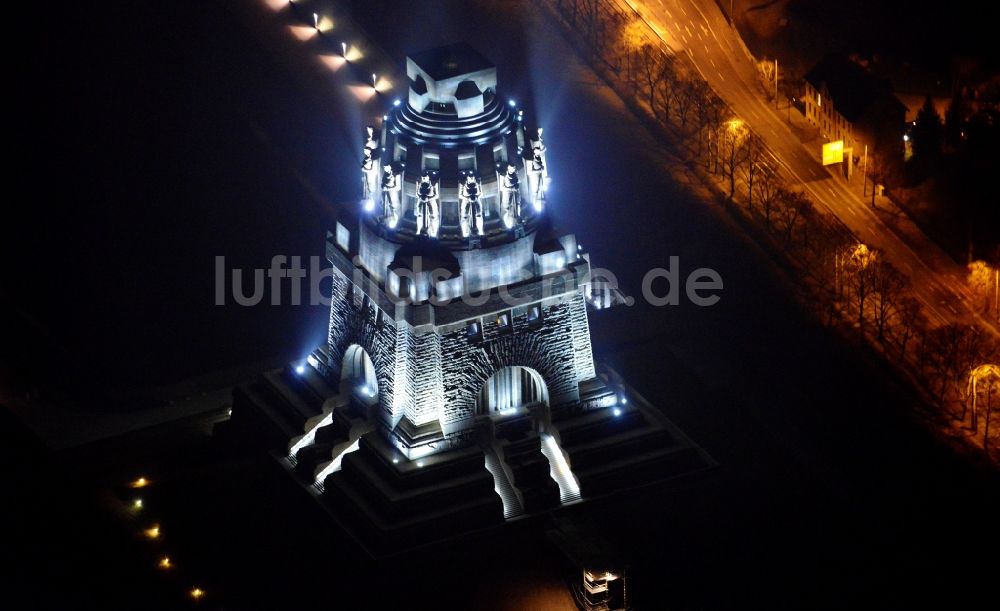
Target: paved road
x: 699, y: 29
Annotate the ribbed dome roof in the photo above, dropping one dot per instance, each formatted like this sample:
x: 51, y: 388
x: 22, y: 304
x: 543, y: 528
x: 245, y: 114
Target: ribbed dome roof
x: 439, y: 125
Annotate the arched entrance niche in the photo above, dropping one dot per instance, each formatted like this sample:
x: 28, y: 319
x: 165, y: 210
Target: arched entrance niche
x: 358, y: 374
x: 510, y: 388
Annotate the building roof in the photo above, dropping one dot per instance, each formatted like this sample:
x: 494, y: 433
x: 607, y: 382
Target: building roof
x: 451, y: 60
x: 852, y: 88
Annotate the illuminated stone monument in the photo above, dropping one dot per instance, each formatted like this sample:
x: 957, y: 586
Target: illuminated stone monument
x: 458, y: 386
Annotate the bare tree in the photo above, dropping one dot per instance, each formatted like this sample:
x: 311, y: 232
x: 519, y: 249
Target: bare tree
x: 600, y: 26
x: 981, y: 284
x: 755, y: 163
x: 791, y: 207
x: 708, y: 110
x: 828, y: 246
x: 825, y: 265
x: 767, y: 186
x: 688, y: 97
x: 952, y: 350
x: 655, y: 67
x: 632, y: 37
x: 733, y: 138
x: 911, y: 321
x: 989, y: 410
x: 766, y: 71
x: 668, y: 87
x: 860, y: 266
x: 888, y: 284
x: 591, y: 12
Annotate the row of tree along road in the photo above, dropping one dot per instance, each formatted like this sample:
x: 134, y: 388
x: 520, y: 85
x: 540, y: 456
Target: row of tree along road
x: 845, y: 283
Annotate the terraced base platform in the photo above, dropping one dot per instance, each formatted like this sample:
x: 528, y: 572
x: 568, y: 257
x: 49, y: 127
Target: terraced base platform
x: 531, y: 463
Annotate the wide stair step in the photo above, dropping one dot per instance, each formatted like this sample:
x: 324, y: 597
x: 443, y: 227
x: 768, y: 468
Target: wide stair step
x: 512, y: 504
x: 278, y: 387
x: 530, y: 470
x: 612, y: 452
x: 404, y: 504
x: 257, y: 412
x: 313, y: 387
x: 569, y: 487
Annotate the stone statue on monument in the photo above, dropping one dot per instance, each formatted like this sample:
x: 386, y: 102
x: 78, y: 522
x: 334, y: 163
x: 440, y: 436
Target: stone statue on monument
x: 428, y: 206
x: 369, y: 175
x: 472, y: 208
x: 536, y: 176
x: 538, y: 172
x: 391, y: 190
x: 510, y: 197
x: 370, y: 142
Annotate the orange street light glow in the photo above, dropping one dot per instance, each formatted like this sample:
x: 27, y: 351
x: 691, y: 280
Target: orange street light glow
x: 197, y: 593
x: 142, y: 482
x: 164, y: 563
x: 153, y: 532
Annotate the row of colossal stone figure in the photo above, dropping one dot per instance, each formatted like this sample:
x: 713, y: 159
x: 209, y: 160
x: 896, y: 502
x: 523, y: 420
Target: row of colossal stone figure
x: 428, y: 207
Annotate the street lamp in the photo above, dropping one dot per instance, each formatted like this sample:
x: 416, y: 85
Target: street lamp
x: 862, y: 255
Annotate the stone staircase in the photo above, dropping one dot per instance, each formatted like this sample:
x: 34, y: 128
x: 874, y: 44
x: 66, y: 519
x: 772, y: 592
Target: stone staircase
x: 623, y: 446
x: 391, y: 502
x: 513, y: 505
x: 569, y: 487
x: 279, y: 404
x: 524, y: 464
x: 530, y: 473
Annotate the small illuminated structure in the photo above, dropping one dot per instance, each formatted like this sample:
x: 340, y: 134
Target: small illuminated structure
x: 593, y: 568
x: 457, y: 386
x: 141, y: 482
x: 153, y: 532
x: 137, y: 504
x: 165, y: 563
x: 197, y: 593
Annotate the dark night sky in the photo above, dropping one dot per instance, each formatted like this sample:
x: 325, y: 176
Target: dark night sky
x: 925, y: 32
x: 145, y: 160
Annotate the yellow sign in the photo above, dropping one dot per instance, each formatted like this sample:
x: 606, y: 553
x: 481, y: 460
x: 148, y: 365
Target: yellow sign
x: 833, y: 152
